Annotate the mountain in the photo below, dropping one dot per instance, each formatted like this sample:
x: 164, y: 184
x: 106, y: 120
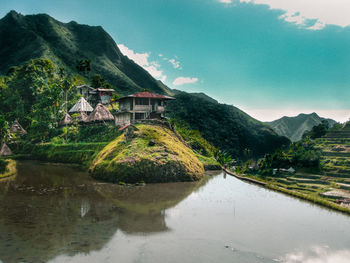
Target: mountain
x: 294, y: 127
x: 225, y: 126
x: 40, y: 36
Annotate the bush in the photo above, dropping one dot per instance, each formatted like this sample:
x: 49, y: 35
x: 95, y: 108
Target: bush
x: 3, y: 165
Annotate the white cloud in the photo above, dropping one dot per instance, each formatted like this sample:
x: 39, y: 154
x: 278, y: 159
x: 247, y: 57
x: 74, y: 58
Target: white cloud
x: 318, y: 255
x: 225, y: 1
x: 175, y: 63
x: 184, y: 80
x: 273, y: 114
x: 335, y: 12
x: 142, y: 59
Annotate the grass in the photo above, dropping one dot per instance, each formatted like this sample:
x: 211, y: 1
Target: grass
x: 10, y: 169
x: 303, y: 188
x: 79, y: 153
x: 135, y: 160
x: 209, y: 162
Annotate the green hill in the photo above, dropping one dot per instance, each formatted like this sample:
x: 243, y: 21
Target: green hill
x: 225, y: 126
x: 40, y: 36
x: 294, y: 127
x: 151, y: 154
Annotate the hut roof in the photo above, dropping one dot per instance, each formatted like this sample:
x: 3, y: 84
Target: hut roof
x: 100, y: 113
x: 81, y: 105
x: 5, y: 150
x: 82, y: 117
x: 66, y: 120
x: 17, y: 128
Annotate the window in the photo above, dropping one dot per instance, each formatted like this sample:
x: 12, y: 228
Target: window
x: 141, y: 101
x: 139, y: 116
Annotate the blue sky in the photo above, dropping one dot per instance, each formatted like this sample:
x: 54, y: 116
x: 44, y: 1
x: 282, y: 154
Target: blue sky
x: 268, y: 57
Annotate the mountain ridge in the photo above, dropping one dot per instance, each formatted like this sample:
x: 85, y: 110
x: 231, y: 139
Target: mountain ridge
x: 294, y: 127
x: 26, y: 37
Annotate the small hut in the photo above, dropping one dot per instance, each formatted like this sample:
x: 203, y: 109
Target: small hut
x: 83, y: 117
x: 5, y: 150
x: 100, y: 113
x: 66, y: 120
x: 16, y: 128
x: 81, y: 106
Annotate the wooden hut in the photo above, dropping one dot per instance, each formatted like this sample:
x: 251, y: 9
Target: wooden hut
x: 17, y: 129
x: 100, y: 113
x: 81, y: 106
x: 66, y: 120
x: 5, y: 150
x: 82, y: 117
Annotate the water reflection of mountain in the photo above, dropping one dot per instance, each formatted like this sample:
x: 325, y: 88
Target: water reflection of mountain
x: 50, y: 210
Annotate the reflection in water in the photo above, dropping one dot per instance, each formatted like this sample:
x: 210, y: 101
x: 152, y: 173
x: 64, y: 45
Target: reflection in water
x: 318, y: 254
x: 50, y: 210
x: 53, y: 213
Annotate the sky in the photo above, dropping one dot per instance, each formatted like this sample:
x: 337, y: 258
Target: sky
x: 269, y: 58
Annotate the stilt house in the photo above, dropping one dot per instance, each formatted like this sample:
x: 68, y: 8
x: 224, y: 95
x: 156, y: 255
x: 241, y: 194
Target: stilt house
x: 141, y: 106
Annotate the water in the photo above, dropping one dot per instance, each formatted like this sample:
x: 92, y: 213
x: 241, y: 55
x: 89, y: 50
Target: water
x: 55, y: 213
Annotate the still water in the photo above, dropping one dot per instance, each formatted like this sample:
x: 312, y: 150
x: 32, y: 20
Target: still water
x: 55, y: 213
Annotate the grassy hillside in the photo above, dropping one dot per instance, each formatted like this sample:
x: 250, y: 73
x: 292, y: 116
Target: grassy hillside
x: 225, y: 126
x: 154, y: 154
x: 41, y: 36
x: 294, y: 127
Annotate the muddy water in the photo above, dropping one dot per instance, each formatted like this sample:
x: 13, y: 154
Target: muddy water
x: 56, y: 213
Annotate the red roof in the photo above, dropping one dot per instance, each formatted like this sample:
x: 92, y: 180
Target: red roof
x: 146, y: 94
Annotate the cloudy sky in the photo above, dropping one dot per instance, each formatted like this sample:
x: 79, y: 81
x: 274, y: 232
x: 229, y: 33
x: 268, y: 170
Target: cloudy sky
x: 268, y: 57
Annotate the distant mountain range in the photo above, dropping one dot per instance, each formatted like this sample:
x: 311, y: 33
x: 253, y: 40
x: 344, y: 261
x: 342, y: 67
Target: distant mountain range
x: 40, y: 36
x: 294, y: 127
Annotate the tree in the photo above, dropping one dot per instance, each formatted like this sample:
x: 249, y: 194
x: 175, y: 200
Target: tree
x: 4, y: 130
x: 97, y: 81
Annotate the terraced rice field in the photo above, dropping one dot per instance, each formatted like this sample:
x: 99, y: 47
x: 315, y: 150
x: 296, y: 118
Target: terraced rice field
x: 332, y: 186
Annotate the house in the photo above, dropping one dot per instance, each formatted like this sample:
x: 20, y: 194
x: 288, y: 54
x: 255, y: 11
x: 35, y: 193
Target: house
x: 141, y: 106
x: 95, y: 95
x: 102, y: 95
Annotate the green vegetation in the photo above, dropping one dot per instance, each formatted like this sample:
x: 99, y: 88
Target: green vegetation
x: 79, y: 49
x: 326, y: 157
x: 317, y: 131
x: 205, y: 152
x: 79, y: 153
x: 150, y: 154
x: 294, y: 127
x: 7, y: 168
x: 3, y: 165
x: 299, y: 155
x: 224, y: 126
x: 90, y: 51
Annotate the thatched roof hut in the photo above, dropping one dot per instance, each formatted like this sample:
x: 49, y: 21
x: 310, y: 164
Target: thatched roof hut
x: 5, y: 150
x: 17, y: 128
x: 66, y: 120
x: 100, y: 113
x: 81, y: 106
x: 82, y: 117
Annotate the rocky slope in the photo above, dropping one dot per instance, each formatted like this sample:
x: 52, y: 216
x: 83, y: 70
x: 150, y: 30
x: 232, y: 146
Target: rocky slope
x: 294, y: 127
